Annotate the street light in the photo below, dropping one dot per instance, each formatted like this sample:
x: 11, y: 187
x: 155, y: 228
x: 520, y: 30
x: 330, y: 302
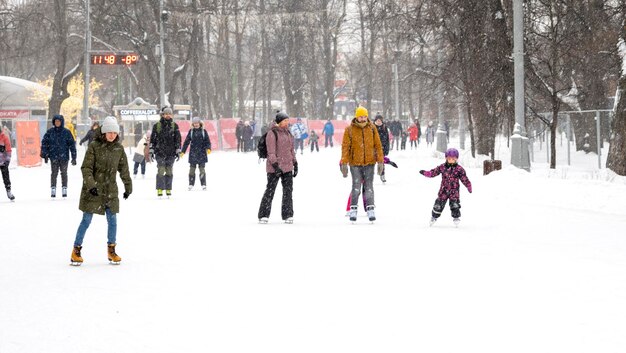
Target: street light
x: 396, y: 55
x: 519, y: 140
x: 85, y: 114
x: 441, y: 135
x: 161, y: 52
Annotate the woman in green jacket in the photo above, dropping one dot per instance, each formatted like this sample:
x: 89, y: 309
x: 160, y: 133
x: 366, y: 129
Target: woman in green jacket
x: 103, y: 159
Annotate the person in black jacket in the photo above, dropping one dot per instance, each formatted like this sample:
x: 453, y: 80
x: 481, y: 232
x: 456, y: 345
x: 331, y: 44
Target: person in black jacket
x: 90, y: 135
x: 165, y: 148
x: 383, y: 133
x: 57, y: 145
x: 199, y: 147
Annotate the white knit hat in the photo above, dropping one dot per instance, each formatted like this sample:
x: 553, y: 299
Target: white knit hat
x: 110, y: 125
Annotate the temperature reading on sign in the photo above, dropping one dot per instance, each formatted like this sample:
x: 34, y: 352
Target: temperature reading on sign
x: 114, y: 59
x: 130, y: 59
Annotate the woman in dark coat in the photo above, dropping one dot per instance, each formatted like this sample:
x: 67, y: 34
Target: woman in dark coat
x: 200, y: 144
x: 105, y: 157
x: 383, y: 133
x: 90, y: 135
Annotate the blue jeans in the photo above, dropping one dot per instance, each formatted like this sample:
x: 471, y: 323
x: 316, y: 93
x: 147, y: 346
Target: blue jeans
x: 84, y: 224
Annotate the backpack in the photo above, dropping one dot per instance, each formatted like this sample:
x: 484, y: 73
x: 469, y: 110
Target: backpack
x: 159, y: 127
x: 261, y: 147
x: 203, y: 133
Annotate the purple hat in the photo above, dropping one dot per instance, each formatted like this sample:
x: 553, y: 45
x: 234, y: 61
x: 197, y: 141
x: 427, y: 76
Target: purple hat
x: 452, y: 152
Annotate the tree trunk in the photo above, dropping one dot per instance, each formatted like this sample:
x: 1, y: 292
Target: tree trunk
x: 61, y: 78
x: 617, y: 150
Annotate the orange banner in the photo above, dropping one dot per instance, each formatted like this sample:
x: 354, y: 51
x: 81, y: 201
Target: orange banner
x: 28, y: 143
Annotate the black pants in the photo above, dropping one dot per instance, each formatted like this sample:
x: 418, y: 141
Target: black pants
x: 165, y: 173
x: 315, y: 145
x: 240, y: 144
x: 56, y: 166
x: 266, y: 202
x: 455, y: 208
x: 5, y: 176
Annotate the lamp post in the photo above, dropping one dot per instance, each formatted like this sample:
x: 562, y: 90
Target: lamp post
x: 85, y: 113
x: 396, y: 55
x: 441, y: 135
x: 162, y: 19
x: 519, y: 141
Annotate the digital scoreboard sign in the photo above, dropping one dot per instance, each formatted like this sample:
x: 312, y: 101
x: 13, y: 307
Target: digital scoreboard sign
x: 114, y: 58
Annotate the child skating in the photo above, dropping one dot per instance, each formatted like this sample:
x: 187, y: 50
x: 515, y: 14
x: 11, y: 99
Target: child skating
x: 451, y: 174
x: 199, y: 145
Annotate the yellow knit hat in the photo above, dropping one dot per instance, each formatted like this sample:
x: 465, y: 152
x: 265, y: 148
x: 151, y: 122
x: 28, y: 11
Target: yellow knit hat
x: 360, y: 111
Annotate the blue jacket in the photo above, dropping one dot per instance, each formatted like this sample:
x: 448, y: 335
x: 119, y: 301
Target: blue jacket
x: 58, y: 142
x: 329, y: 129
x: 200, y: 142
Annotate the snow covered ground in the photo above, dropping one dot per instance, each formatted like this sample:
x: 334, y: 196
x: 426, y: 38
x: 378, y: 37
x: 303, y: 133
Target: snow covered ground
x: 538, y: 264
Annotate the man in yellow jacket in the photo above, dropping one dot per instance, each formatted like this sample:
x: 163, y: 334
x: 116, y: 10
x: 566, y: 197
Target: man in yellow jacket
x: 360, y: 151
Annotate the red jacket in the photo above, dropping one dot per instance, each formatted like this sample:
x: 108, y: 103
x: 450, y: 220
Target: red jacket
x: 413, y: 132
x: 5, y: 150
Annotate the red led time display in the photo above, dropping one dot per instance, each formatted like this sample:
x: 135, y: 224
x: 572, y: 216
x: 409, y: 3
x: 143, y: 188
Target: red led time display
x: 114, y: 59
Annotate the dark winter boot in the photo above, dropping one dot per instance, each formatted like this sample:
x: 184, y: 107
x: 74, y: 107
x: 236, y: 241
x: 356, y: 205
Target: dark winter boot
x: 10, y: 194
x: 76, y: 259
x: 53, y: 191
x: 64, y: 191
x: 113, y: 258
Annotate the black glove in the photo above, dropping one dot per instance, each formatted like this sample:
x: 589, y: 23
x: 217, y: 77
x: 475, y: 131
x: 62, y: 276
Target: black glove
x: 422, y: 172
x: 177, y: 156
x: 295, y: 169
x: 93, y: 191
x: 73, y: 161
x: 126, y: 194
x: 45, y: 159
x: 151, y: 152
x: 277, y: 169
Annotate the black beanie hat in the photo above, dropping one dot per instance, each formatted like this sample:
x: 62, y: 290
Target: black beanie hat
x: 280, y: 116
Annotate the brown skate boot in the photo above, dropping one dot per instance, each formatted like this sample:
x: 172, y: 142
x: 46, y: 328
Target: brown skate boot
x: 76, y: 259
x: 113, y: 258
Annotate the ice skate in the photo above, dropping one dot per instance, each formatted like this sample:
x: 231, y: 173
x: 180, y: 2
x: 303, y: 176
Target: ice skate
x: 353, y: 212
x: 113, y: 258
x: 53, y: 191
x: 204, y: 187
x: 159, y: 192
x: 168, y: 193
x: 289, y: 220
x: 456, y: 221
x: 76, y: 259
x: 371, y: 215
x: 10, y: 195
x: 190, y: 187
x: 64, y: 191
x: 263, y: 220
x: 432, y: 221
x: 382, y: 178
